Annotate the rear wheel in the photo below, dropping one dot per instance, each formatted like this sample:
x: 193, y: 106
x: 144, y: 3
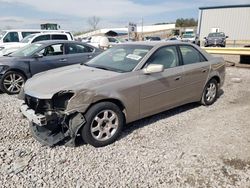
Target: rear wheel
x: 12, y: 82
x: 210, y: 93
x: 104, y: 122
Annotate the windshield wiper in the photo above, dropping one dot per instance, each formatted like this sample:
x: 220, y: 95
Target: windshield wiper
x: 101, y: 67
x: 84, y: 63
x: 7, y: 55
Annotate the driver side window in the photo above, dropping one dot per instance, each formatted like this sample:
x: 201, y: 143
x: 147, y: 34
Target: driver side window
x: 11, y: 37
x: 166, y: 56
x: 52, y: 50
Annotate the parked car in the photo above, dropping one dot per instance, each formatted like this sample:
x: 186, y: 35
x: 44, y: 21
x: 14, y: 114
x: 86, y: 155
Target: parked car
x: 216, y: 39
x: 86, y: 39
x: 17, y: 67
x: 152, y: 38
x: 16, y: 35
x: 188, y: 38
x: 173, y: 39
x: 197, y: 40
x: 13, y: 46
x: 123, y: 84
x: 95, y: 41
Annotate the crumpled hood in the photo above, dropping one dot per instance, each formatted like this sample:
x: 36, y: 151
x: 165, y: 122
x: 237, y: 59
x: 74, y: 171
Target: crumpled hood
x: 76, y: 77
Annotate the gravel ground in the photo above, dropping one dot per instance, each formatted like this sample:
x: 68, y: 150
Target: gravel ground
x: 190, y: 146
x: 230, y: 58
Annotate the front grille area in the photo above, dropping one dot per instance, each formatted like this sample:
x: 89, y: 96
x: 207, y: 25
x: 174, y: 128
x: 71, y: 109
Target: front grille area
x: 38, y: 105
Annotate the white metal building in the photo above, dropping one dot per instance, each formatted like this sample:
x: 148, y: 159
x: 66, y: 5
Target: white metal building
x: 145, y: 29
x: 233, y: 20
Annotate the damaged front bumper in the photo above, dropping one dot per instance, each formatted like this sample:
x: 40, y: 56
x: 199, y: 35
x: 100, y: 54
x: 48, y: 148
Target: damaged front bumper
x: 50, y: 129
x: 30, y: 114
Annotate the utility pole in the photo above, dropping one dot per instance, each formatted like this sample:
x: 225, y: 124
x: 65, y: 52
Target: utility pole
x: 142, y: 37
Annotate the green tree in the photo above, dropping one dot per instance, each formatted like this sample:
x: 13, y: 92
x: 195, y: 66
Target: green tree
x: 188, y: 22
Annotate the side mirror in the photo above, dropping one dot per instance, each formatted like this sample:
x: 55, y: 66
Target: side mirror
x: 153, y: 68
x: 37, y: 55
x: 226, y: 37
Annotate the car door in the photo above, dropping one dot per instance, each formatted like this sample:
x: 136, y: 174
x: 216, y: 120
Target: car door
x: 51, y: 56
x: 164, y: 90
x: 196, y: 70
x: 79, y: 53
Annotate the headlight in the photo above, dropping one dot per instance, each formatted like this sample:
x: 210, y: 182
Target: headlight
x: 60, y: 100
x: 21, y: 94
x: 3, y: 67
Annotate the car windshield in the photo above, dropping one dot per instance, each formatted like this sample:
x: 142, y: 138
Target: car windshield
x: 122, y: 58
x: 26, y: 51
x: 2, y: 33
x: 188, y: 36
x: 121, y: 39
x: 216, y: 35
x: 28, y: 38
x: 153, y: 38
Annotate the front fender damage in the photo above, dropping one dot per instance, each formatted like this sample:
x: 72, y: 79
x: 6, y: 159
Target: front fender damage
x: 65, y: 133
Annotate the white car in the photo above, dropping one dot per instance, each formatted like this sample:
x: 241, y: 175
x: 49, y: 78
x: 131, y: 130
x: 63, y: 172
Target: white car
x: 95, y: 41
x: 188, y: 38
x: 8, y: 48
x: 16, y: 35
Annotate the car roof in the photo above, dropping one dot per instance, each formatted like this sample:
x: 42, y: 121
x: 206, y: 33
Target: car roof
x: 48, y: 33
x: 38, y: 30
x: 217, y: 32
x: 50, y: 42
x: 154, y: 43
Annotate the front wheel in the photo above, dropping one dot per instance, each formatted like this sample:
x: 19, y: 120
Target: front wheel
x: 210, y: 93
x: 104, y: 122
x: 12, y: 82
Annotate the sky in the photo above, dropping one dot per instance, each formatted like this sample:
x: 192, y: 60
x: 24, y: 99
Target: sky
x: 73, y: 14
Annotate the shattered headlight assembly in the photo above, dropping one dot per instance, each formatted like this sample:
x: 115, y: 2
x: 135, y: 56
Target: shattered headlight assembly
x: 60, y: 100
x: 3, y: 67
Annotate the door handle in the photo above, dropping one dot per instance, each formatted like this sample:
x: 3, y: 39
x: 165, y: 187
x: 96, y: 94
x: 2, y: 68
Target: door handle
x: 63, y: 60
x: 90, y: 56
x: 204, y: 70
x: 177, y: 78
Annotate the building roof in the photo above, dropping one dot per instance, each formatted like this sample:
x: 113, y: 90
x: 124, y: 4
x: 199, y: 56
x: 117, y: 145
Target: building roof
x: 226, y: 6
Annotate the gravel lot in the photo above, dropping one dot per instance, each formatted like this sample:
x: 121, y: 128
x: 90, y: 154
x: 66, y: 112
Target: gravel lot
x: 190, y: 146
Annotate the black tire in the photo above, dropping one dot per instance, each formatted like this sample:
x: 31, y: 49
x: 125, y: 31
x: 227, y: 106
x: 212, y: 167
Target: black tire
x: 7, y: 78
x: 87, y: 132
x: 205, y: 100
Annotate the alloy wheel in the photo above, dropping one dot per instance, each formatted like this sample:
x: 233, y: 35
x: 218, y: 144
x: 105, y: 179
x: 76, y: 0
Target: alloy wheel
x: 211, y: 92
x: 104, y: 125
x: 13, y: 82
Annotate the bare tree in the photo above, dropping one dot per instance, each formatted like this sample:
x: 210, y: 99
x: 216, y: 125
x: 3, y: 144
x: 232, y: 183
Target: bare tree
x: 93, y: 22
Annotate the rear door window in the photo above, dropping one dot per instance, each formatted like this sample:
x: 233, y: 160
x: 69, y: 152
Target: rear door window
x: 112, y: 40
x: 26, y: 33
x: 59, y: 37
x: 190, y: 55
x: 41, y: 38
x: 11, y: 37
x: 72, y: 48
